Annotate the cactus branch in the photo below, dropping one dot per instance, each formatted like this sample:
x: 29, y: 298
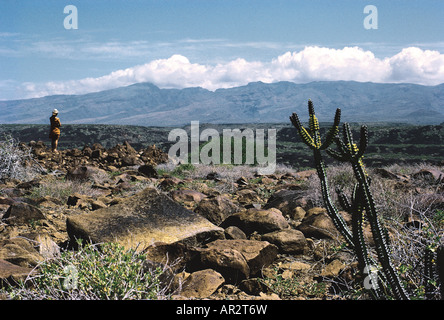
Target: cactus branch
x: 350, y: 152
x: 313, y: 140
x: 362, y: 202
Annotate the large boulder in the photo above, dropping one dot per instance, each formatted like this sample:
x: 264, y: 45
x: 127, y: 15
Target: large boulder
x: 142, y: 220
x: 258, y: 254
x: 216, y: 209
x: 317, y: 224
x: 288, y: 241
x: 261, y: 221
x: 230, y: 263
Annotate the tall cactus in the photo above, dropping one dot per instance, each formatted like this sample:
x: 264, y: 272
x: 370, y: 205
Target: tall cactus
x: 313, y: 140
x: 350, y: 152
x: 362, y: 197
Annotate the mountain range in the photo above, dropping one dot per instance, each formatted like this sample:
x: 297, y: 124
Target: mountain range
x: 148, y: 105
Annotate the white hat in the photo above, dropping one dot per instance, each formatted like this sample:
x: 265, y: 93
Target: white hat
x: 55, y: 111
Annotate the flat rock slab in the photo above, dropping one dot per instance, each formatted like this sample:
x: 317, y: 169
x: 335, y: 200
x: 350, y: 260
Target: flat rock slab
x: 142, y: 220
x: 10, y: 273
x: 22, y: 213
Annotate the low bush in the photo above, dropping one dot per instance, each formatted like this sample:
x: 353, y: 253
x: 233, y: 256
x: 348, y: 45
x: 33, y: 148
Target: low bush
x: 16, y: 161
x: 94, y: 272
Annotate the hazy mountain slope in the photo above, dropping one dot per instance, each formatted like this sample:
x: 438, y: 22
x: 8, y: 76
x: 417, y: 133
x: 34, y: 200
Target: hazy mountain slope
x: 146, y: 104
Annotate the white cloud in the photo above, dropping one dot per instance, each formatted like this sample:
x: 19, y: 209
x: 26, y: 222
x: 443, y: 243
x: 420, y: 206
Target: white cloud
x: 417, y: 66
x: 412, y: 65
x: 315, y: 63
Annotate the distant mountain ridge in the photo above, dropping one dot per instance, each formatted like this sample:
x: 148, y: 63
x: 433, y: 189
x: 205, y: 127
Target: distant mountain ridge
x: 147, y: 105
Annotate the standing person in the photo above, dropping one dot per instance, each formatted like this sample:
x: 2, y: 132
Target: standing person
x: 54, y: 133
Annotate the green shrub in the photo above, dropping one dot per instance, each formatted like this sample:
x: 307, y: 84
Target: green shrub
x: 105, y: 272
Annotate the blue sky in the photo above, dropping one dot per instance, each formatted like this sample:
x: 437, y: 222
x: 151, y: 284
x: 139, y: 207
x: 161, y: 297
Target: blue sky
x: 214, y: 43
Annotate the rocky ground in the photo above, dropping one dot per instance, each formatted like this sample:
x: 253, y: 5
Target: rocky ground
x: 238, y: 236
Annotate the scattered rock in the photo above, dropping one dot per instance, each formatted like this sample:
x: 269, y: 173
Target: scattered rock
x: 286, y: 201
x: 230, y: 263
x: 153, y: 155
x: 214, y: 176
x: 20, y: 252
x: 176, y: 255
x: 258, y: 254
x: 48, y: 249
x: 295, y: 266
x: 248, y: 196
x: 317, y: 224
x: 242, y: 181
x: 260, y: 240
x: 289, y: 241
x: 22, y: 213
x: 430, y: 174
x: 254, y: 287
x: 262, y: 221
x: 233, y: 232
x: 148, y: 171
x: 84, y: 173
x: 48, y: 202
x: 170, y: 182
x: 333, y: 269
x: 384, y: 173
x: 297, y: 214
x: 216, y: 209
x: 131, y: 160
x: 186, y: 195
x: 202, y: 284
x: 97, y: 204
x: 29, y: 184
x: 77, y: 200
x: 11, y: 273
x: 304, y: 175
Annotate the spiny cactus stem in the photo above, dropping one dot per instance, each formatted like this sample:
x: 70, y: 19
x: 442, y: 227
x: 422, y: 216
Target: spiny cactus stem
x: 295, y: 121
x: 332, y: 211
x: 364, y: 261
x: 378, y: 234
x: 348, y: 137
x: 343, y: 200
x: 363, y: 143
x: 333, y: 132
